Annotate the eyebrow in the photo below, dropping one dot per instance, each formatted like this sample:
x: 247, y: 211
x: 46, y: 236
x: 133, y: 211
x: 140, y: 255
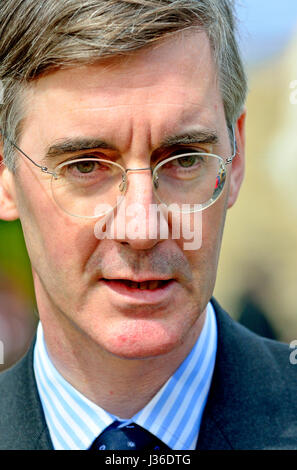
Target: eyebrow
x: 67, y: 146
x: 76, y: 145
x: 204, y: 136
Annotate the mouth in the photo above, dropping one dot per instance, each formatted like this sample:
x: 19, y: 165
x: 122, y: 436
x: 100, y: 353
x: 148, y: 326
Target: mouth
x: 127, y: 292
x: 148, y: 285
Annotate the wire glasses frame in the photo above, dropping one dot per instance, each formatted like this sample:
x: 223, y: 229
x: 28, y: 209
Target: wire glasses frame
x: 155, y: 177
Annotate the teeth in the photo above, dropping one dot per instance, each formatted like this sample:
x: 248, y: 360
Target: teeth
x: 145, y: 285
x: 153, y: 285
x: 134, y: 285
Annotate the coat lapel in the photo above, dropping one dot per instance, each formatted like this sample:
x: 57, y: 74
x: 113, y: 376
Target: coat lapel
x: 22, y: 423
x: 245, y: 407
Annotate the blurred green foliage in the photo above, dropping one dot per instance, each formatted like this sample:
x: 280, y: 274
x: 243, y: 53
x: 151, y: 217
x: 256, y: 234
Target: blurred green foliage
x: 14, y: 260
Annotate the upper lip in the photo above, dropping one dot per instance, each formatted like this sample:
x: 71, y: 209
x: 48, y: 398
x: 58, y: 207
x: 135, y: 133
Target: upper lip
x: 138, y: 279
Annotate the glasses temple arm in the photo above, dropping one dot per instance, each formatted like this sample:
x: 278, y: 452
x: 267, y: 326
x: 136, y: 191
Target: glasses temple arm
x: 42, y: 168
x: 229, y: 160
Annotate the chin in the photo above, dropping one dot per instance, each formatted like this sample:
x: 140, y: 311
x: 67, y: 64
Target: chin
x: 141, y: 341
x: 140, y: 351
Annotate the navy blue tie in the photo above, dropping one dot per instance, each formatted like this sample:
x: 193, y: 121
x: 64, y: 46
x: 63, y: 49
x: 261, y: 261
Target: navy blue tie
x: 127, y: 437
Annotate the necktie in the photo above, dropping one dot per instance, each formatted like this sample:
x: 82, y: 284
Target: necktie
x: 127, y: 437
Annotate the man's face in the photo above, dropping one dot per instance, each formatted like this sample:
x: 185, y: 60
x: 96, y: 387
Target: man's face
x: 133, y: 105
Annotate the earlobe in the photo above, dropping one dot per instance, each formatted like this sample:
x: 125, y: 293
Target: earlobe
x: 8, y: 207
x: 238, y: 163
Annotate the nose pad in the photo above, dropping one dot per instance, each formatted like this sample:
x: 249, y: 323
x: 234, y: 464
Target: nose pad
x: 123, y: 184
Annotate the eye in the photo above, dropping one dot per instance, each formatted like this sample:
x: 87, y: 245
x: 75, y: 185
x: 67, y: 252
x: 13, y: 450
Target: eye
x: 85, y: 169
x: 89, y: 172
x: 86, y: 166
x: 188, y: 161
x: 189, y: 156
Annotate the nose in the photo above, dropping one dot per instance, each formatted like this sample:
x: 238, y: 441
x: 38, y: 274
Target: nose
x: 138, y: 217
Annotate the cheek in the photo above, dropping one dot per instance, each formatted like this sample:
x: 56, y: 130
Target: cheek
x: 54, y: 241
x: 204, y: 260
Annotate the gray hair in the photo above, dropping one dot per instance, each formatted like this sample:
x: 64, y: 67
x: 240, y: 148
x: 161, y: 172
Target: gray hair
x: 37, y: 37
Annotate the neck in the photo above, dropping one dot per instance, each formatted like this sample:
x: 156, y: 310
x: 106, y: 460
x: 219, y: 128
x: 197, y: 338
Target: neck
x: 118, y: 385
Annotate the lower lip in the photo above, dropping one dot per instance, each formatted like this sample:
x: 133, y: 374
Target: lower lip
x: 146, y: 296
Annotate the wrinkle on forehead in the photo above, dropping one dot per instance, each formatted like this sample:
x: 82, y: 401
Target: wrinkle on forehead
x: 182, y: 44
x: 131, y: 94
x: 176, y: 58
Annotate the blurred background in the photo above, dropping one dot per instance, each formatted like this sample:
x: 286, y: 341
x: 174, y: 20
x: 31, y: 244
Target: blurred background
x: 257, y: 273
x: 257, y: 276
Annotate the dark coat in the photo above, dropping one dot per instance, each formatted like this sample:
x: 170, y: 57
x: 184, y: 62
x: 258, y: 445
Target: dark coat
x: 251, y: 403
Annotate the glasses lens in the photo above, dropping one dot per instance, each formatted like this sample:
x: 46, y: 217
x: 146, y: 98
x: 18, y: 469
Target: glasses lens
x: 189, y: 180
x: 88, y: 187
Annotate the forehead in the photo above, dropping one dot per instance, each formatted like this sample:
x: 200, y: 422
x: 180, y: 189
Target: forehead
x: 162, y: 88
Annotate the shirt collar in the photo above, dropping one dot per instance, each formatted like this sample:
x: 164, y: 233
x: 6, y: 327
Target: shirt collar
x: 173, y: 415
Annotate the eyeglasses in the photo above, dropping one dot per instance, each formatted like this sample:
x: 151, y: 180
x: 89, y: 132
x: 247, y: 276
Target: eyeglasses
x: 90, y: 187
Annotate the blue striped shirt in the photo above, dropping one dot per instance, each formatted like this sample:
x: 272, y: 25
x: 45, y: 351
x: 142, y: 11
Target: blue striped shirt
x: 173, y: 415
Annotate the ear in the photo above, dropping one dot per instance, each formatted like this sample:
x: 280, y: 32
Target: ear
x: 237, y: 171
x: 8, y: 207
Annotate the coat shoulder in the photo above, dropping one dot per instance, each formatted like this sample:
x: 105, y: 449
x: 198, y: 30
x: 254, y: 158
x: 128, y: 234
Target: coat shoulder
x: 252, y: 398
x: 22, y: 423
